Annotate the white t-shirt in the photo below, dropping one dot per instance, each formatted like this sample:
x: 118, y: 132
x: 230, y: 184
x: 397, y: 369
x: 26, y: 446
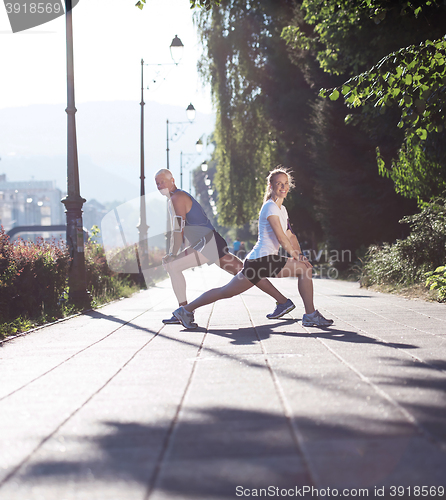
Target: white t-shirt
x: 267, y: 242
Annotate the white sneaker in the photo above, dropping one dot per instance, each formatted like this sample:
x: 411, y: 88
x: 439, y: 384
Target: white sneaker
x: 315, y: 319
x: 281, y: 310
x: 172, y: 321
x: 186, y: 317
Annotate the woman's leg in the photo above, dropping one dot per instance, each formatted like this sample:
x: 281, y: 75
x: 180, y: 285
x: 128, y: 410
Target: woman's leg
x: 300, y: 269
x: 175, y: 269
x: 233, y: 265
x: 236, y: 286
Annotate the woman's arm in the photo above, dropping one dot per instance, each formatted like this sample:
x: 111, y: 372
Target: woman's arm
x: 282, y: 237
x: 288, y: 241
x: 293, y: 240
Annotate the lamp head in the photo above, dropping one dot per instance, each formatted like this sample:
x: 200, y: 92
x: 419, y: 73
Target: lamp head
x: 176, y: 49
x: 190, y: 113
x: 199, y: 146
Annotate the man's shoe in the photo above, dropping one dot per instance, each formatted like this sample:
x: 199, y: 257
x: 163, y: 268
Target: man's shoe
x: 281, y: 310
x: 186, y: 317
x: 172, y: 321
x: 315, y: 319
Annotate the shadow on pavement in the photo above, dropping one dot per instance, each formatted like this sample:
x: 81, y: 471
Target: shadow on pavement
x: 98, y: 315
x: 211, y: 452
x: 241, y: 336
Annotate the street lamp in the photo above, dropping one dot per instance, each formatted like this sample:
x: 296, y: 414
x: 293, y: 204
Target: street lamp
x: 181, y: 167
x: 204, y: 167
x: 190, y: 113
x: 176, y: 52
x: 73, y: 202
x: 199, y: 150
x: 199, y: 145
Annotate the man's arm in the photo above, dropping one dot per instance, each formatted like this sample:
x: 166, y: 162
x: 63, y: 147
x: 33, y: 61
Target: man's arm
x: 180, y: 206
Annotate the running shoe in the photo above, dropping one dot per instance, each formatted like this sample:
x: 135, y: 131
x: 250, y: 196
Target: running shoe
x: 172, y: 321
x: 315, y: 319
x: 281, y: 309
x: 186, y: 317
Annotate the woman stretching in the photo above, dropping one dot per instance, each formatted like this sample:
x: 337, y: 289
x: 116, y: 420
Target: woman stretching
x: 264, y: 260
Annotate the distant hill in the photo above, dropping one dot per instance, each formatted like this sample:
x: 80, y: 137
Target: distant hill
x: 33, y: 145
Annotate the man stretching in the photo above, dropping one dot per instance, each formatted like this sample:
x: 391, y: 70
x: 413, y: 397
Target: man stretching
x: 204, y: 246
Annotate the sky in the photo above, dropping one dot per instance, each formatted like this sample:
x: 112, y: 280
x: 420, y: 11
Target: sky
x: 110, y: 39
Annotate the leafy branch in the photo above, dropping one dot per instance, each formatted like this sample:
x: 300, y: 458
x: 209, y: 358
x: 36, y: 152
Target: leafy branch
x: 204, y: 4
x: 413, y: 77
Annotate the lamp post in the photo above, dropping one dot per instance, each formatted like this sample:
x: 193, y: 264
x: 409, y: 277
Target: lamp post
x: 181, y: 166
x: 73, y: 202
x: 142, y: 224
x: 176, y: 52
x: 199, y: 150
x: 190, y: 113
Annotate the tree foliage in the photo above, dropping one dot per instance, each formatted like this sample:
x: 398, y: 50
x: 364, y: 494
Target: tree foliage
x: 412, y: 78
x: 408, y: 260
x: 259, y: 113
x: 204, y: 4
x: 269, y: 113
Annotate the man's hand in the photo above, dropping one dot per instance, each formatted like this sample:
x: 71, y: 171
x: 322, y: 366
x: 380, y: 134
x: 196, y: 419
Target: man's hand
x: 168, y: 258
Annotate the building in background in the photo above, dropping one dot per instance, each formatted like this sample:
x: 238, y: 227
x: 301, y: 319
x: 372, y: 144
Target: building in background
x: 93, y: 213
x: 30, y: 203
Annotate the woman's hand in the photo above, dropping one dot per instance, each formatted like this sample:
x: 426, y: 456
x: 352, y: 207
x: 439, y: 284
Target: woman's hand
x: 300, y: 257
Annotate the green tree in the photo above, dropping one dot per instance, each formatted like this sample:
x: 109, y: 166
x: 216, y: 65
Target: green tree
x: 269, y: 113
x: 262, y: 101
x: 411, y: 79
x: 204, y: 4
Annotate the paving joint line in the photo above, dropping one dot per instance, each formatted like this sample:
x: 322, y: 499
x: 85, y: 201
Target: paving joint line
x: 72, y: 414
x: 74, y: 355
x: 295, y: 432
x: 151, y: 486
x: 407, y: 415
x: 407, y: 353
x: 396, y: 305
x: 404, y: 351
x: 61, y: 320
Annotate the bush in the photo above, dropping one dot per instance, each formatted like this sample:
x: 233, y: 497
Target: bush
x: 407, y: 261
x: 102, y: 282
x: 436, y: 280
x: 112, y: 275
x: 32, y: 277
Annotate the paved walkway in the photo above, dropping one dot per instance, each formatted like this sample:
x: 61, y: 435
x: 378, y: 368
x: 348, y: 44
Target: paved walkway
x: 112, y: 405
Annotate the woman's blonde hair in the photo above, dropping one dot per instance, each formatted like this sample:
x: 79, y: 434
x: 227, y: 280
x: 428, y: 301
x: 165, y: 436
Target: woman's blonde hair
x: 270, y: 179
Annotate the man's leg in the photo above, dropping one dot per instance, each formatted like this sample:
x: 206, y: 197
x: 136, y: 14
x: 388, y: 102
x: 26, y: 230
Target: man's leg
x: 175, y: 269
x: 233, y: 265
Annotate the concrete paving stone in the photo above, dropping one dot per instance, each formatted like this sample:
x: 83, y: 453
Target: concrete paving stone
x: 113, y: 404
x: 226, y: 439
x: 219, y: 478
x: 363, y: 462
x: 420, y: 463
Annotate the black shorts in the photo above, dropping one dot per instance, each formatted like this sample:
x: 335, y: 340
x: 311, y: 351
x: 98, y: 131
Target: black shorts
x: 264, y: 267
x: 213, y: 246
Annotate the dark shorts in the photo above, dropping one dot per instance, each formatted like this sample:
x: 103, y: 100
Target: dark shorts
x: 213, y: 246
x: 264, y: 267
